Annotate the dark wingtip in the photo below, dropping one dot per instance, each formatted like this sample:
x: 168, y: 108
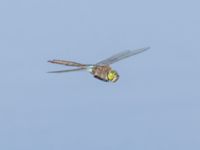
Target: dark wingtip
x: 148, y: 47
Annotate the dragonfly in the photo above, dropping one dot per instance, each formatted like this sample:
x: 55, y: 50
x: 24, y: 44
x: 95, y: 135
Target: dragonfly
x: 101, y: 70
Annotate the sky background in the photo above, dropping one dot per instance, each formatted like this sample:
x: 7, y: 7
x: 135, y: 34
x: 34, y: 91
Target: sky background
x: 155, y: 105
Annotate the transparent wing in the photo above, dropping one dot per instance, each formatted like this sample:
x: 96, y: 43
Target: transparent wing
x: 69, y: 70
x: 121, y: 55
x: 66, y: 63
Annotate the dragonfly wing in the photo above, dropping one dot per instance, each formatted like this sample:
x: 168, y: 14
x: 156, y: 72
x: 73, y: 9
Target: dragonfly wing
x: 121, y: 55
x: 69, y: 70
x: 66, y: 63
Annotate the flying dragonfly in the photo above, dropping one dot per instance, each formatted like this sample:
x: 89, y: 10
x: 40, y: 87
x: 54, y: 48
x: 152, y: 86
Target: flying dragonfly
x: 102, y: 69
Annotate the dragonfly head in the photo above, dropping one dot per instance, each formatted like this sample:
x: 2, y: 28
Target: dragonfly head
x: 113, y: 76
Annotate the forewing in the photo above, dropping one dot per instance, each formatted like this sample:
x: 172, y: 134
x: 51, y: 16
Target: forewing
x: 121, y: 55
x: 69, y: 70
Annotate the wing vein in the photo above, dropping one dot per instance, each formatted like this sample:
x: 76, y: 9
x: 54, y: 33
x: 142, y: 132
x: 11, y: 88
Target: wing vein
x: 122, y: 55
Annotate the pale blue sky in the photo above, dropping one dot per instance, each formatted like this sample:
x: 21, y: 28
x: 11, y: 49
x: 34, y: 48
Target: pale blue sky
x: 154, y: 106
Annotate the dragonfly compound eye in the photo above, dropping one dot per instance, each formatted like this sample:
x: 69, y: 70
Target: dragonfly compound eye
x: 113, y: 76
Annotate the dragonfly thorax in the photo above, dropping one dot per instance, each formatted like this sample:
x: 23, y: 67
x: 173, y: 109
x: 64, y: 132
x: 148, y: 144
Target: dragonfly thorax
x: 105, y: 73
